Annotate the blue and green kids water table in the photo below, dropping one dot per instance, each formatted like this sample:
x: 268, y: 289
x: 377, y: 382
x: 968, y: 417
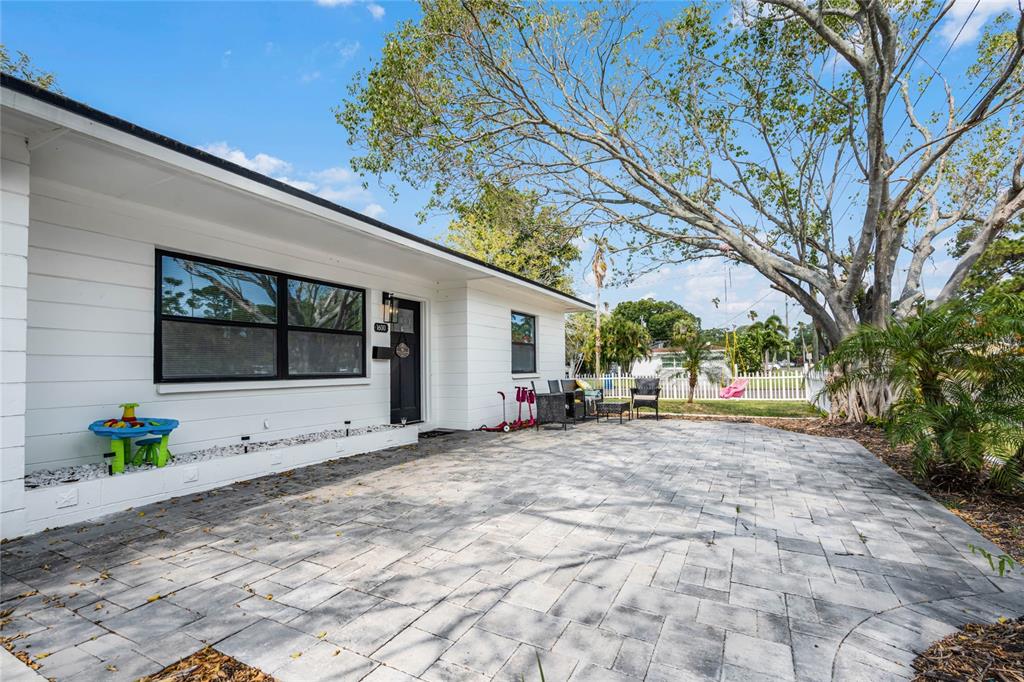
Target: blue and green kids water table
x: 122, y: 432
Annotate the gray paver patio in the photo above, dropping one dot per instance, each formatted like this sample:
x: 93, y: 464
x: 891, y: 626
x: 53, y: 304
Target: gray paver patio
x: 663, y: 550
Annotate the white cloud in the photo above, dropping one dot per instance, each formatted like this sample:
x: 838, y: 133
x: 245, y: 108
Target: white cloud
x: 333, y: 175
x: 346, y: 49
x: 309, y: 77
x: 376, y: 10
x: 261, y: 163
x: 337, y: 184
x: 972, y: 22
x: 344, y: 194
x: 304, y: 185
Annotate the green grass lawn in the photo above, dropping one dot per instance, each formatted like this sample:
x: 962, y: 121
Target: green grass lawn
x: 741, y: 408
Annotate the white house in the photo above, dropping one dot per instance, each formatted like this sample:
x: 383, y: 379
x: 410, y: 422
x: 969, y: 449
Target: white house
x: 139, y: 269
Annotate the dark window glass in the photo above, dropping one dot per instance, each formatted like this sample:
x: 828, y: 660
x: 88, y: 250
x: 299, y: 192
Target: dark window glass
x: 524, y: 348
x: 522, y: 328
x: 313, y: 304
x: 406, y: 321
x: 201, y: 351
x: 196, y: 289
x: 311, y: 353
x: 218, y: 321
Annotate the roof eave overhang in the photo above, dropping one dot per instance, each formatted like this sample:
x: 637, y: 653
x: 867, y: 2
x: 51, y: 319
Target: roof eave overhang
x: 73, y: 115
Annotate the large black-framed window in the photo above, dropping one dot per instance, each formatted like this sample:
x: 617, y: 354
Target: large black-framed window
x: 218, y: 321
x: 524, y: 343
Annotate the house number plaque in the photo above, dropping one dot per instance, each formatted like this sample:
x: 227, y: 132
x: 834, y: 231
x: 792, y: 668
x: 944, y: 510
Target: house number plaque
x: 380, y: 326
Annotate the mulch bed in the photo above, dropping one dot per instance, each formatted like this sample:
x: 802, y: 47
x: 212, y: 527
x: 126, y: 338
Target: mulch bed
x: 977, y: 653
x: 208, y: 665
x: 998, y: 517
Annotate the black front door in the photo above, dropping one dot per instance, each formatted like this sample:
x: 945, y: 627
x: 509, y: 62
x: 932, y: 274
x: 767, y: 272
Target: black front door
x: 405, y: 363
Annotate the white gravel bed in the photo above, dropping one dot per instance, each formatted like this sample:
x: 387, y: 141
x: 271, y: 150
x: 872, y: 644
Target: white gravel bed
x: 86, y: 472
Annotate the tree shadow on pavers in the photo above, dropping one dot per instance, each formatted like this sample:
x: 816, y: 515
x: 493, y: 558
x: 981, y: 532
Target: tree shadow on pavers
x: 460, y: 520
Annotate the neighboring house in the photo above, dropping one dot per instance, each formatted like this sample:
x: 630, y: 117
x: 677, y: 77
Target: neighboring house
x: 137, y: 268
x: 668, y: 361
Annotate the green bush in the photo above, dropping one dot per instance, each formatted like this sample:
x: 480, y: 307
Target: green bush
x: 956, y: 377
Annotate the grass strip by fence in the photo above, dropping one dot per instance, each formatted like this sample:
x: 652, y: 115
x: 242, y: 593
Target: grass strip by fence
x: 741, y: 408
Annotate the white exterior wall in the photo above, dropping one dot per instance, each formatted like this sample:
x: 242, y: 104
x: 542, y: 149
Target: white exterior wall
x: 489, y: 353
x: 14, y: 218
x: 90, y: 336
x: 90, y: 332
x: 449, y: 362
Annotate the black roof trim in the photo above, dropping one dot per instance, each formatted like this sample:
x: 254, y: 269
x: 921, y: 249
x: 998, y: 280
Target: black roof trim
x: 84, y: 110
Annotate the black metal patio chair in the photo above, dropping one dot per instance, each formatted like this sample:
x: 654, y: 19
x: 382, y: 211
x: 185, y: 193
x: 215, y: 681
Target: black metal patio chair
x: 646, y: 394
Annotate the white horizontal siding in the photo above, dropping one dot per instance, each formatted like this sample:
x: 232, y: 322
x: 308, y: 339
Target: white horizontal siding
x: 90, y: 333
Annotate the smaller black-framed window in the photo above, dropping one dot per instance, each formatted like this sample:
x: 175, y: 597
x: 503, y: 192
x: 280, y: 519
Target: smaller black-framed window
x: 218, y: 321
x: 524, y: 343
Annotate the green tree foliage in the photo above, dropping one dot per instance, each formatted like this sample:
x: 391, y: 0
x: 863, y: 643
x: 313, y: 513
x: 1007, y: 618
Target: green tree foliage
x: 660, y: 318
x: 1000, y: 267
x: 694, y: 133
x: 759, y: 342
x: 958, y: 376
x: 579, y: 331
x: 695, y: 351
x: 510, y: 229
x: 623, y: 342
x: 22, y: 68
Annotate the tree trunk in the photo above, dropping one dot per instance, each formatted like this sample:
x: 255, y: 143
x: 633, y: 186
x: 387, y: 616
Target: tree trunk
x: 693, y: 386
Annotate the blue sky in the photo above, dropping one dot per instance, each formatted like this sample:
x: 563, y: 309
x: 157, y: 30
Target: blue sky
x: 255, y: 82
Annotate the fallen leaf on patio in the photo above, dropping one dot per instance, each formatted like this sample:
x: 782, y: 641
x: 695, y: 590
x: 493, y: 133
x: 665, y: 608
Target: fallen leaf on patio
x: 269, y: 597
x: 297, y: 654
x: 41, y: 656
x: 112, y: 668
x: 142, y: 513
x: 153, y: 598
x: 337, y: 651
x: 98, y: 607
x: 321, y: 635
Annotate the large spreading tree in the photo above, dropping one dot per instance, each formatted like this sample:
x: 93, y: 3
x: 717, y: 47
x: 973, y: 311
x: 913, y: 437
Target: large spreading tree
x: 513, y: 230
x: 831, y: 145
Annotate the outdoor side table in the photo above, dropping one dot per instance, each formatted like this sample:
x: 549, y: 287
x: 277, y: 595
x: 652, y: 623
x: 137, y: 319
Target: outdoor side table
x: 121, y: 441
x: 609, y: 407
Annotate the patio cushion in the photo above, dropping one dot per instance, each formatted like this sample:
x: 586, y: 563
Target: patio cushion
x: 584, y: 385
x: 644, y: 396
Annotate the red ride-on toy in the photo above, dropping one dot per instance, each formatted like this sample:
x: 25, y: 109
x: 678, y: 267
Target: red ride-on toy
x: 525, y: 395
x: 504, y: 426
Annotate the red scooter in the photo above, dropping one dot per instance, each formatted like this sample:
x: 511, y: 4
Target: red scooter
x: 524, y: 395
x: 504, y: 426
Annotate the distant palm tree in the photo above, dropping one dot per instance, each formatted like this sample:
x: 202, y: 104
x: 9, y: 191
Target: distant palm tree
x: 695, y: 352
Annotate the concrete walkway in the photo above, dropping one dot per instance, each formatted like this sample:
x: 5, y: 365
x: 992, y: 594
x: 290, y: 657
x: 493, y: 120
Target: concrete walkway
x: 668, y: 550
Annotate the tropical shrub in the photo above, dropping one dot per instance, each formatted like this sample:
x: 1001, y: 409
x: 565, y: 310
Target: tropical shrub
x: 955, y: 379
x: 695, y: 351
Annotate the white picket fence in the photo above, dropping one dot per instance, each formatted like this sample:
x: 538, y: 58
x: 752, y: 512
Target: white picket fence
x: 787, y: 385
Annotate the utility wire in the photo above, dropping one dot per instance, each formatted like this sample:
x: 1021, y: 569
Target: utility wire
x: 935, y: 70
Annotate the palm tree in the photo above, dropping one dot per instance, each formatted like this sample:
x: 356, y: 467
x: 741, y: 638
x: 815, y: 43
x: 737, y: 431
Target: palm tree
x: 775, y: 337
x: 695, y: 351
x: 955, y: 377
x: 623, y: 342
